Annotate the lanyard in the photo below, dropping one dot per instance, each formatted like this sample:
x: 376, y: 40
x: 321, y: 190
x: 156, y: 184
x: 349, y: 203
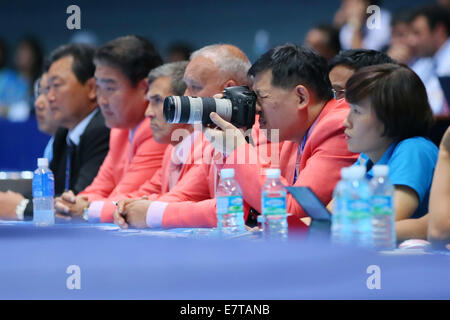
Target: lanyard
x: 301, y: 147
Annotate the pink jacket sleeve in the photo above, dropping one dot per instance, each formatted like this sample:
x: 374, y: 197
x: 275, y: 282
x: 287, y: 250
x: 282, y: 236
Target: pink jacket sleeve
x: 126, y: 167
x: 189, y: 214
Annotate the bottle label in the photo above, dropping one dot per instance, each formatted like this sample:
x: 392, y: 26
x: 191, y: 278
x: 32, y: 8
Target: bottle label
x: 231, y: 204
x: 37, y: 186
x: 274, y: 206
x: 382, y: 205
x: 358, y: 209
x: 43, y: 185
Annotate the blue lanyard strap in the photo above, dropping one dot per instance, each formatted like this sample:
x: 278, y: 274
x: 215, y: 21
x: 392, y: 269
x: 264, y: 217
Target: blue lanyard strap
x: 302, y: 147
x: 300, y: 152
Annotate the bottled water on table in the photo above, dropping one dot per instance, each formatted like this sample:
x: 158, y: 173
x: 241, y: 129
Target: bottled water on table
x: 338, y: 233
x: 230, y: 207
x: 273, y: 204
x: 352, y: 224
x: 43, y: 193
x: 383, y: 213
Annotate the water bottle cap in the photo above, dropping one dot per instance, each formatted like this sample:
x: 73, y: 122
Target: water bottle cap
x: 227, y: 173
x: 356, y: 172
x: 42, y: 162
x: 380, y: 170
x: 273, y: 173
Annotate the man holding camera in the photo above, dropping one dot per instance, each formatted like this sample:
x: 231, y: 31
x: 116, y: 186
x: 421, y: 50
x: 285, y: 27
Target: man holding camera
x: 210, y: 70
x: 295, y: 102
x: 182, y: 158
x: 296, y: 107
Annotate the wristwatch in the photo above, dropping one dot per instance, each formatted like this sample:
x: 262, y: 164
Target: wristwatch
x: 85, y: 213
x: 20, y: 209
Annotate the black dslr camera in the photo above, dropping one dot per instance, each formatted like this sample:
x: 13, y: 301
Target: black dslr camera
x: 237, y: 106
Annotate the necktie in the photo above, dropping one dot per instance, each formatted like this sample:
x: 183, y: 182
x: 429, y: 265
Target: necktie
x: 70, y: 149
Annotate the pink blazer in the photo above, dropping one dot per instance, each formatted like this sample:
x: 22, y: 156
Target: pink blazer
x: 325, y: 153
x: 192, y: 174
x: 127, y: 165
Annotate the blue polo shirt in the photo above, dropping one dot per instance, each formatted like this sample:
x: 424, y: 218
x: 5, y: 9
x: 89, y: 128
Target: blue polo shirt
x: 411, y: 163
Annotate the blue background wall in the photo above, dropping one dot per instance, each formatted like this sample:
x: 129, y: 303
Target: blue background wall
x: 200, y: 22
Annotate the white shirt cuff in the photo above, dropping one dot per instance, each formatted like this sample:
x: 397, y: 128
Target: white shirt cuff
x: 95, y: 211
x: 155, y: 214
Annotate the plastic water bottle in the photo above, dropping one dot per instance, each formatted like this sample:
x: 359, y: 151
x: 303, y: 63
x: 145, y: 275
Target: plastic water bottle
x: 338, y: 233
x: 353, y: 209
x: 383, y: 213
x: 230, y: 207
x: 43, y: 193
x: 273, y: 204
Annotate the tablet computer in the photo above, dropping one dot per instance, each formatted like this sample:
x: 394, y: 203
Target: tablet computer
x: 320, y: 227
x: 308, y: 200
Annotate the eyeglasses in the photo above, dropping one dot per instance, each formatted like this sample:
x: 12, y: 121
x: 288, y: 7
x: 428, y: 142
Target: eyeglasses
x: 38, y: 90
x: 338, y: 94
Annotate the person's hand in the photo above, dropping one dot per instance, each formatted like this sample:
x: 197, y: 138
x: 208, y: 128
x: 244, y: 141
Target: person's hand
x: 8, y: 203
x: 132, y: 213
x: 70, y: 205
x: 356, y: 13
x: 254, y: 229
x: 227, y: 138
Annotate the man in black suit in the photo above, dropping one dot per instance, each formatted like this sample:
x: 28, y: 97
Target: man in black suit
x: 82, y: 142
x: 85, y: 158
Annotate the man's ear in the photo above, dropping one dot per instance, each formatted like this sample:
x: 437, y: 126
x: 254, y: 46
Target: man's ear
x: 303, y: 97
x: 91, y: 86
x: 143, y: 86
x: 230, y: 83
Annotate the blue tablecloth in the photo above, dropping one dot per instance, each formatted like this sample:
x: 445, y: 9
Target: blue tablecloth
x: 21, y: 143
x: 136, y: 265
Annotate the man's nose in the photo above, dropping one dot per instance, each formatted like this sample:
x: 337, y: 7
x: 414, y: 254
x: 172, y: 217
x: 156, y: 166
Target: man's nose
x: 38, y: 105
x: 102, y: 101
x: 51, y: 95
x: 347, y: 122
x: 149, y: 112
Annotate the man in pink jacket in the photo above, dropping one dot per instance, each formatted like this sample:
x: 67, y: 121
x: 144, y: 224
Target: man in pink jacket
x: 210, y: 70
x: 296, y: 107
x: 122, y: 66
x: 182, y: 160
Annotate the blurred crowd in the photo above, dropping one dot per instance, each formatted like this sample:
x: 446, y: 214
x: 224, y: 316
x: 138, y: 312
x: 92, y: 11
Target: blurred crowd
x: 417, y: 37
x: 18, y: 83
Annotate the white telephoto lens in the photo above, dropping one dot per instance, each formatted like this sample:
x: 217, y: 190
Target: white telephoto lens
x: 224, y: 109
x: 195, y: 116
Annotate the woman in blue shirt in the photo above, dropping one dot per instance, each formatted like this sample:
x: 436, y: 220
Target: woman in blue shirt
x: 388, y: 121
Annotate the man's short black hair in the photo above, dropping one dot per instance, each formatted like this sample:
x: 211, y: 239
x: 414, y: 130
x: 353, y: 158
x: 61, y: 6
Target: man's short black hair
x: 402, y: 16
x: 358, y: 58
x: 135, y: 56
x: 82, y: 54
x: 333, y: 41
x: 292, y: 65
x: 435, y: 14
